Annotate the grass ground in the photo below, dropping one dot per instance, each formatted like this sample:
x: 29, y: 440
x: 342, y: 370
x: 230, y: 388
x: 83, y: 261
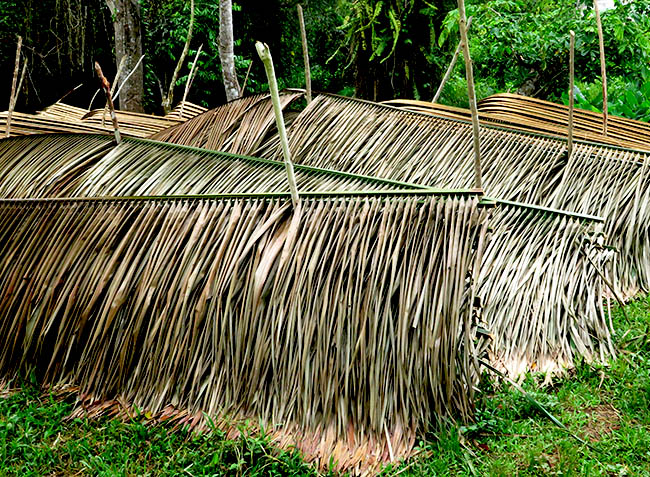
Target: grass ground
x: 609, y: 407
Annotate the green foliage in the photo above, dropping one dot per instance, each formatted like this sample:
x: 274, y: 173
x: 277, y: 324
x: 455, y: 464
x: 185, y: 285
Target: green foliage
x: 392, y: 45
x: 522, y: 45
x: 625, y: 97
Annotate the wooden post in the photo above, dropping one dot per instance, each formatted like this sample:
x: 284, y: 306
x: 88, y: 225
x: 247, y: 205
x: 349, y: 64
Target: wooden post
x: 248, y: 71
x: 190, y: 78
x: 305, y: 53
x: 469, y: 73
x: 265, y: 56
x: 450, y: 68
x: 114, y: 85
x: 572, y: 42
x: 12, y: 98
x: 109, y: 99
x: 603, y: 69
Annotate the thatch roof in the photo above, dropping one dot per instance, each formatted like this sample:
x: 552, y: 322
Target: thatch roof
x: 361, y: 137
x: 239, y: 126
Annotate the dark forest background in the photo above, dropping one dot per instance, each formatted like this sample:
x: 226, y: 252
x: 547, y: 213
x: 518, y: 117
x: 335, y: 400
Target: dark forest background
x: 368, y: 48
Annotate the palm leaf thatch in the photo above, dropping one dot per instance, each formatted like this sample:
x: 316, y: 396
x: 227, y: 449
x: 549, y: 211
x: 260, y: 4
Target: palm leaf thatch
x: 541, y: 289
x: 131, y: 124
x: 63, y: 112
x: 361, y: 137
x: 527, y: 114
x: 343, y: 322
x: 23, y: 124
x: 551, y: 118
x: 185, y: 110
x: 63, y: 118
x: 67, y: 166
x: 239, y: 126
x: 93, y: 166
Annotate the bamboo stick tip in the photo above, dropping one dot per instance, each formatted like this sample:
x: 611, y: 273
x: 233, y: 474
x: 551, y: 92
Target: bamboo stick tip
x: 262, y: 49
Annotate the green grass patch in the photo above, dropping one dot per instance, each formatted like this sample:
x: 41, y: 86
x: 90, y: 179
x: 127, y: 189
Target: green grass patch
x: 609, y: 407
x: 36, y: 440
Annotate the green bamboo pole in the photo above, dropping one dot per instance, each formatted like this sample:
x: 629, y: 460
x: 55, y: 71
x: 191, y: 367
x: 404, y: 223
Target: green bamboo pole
x: 462, y: 24
x: 265, y: 56
x: 571, y: 87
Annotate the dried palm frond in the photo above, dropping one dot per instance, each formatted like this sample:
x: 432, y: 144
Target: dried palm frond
x: 361, y: 137
x: 239, y: 126
x: 63, y: 112
x: 132, y: 124
x: 63, y: 118
x: 60, y: 166
x: 342, y: 322
x: 547, y: 117
x: 92, y: 166
x: 23, y: 124
x: 186, y: 110
x: 541, y: 289
x: 530, y: 121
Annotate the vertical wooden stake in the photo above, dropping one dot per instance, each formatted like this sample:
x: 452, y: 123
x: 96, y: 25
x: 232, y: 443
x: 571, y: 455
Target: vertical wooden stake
x: 248, y: 71
x: 603, y: 70
x: 20, y: 82
x: 450, y: 68
x: 265, y: 56
x: 469, y: 73
x: 109, y: 99
x: 305, y: 53
x: 571, y: 88
x: 190, y: 78
x: 120, y: 67
x: 12, y: 98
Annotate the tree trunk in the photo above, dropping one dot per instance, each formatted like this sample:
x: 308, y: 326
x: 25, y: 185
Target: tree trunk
x: 227, y: 50
x: 128, y: 42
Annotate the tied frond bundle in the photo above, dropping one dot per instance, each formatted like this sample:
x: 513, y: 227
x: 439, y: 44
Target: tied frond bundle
x: 62, y: 112
x: 239, y: 126
x: 343, y: 321
x: 185, y: 110
x: 526, y: 114
x: 550, y: 118
x: 131, y: 124
x: 359, y: 136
